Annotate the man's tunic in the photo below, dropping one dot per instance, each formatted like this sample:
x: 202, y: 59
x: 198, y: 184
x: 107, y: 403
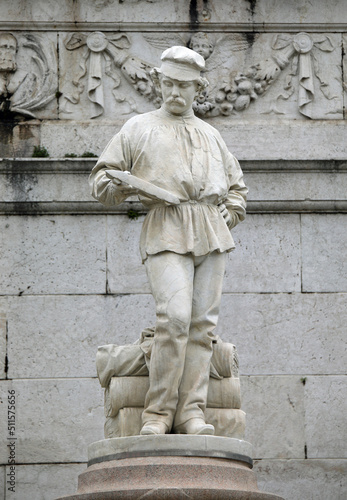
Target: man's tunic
x: 187, y: 157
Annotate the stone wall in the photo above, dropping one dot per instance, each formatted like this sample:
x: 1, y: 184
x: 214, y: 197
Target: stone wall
x: 71, y: 277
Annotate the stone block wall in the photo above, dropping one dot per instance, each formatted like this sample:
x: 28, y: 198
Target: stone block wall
x: 71, y: 275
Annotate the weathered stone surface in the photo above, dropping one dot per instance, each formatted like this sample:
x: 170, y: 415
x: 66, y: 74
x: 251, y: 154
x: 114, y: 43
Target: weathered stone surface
x: 69, y: 331
x: 5, y: 386
x: 266, y: 258
x: 302, y: 13
x: 304, y: 185
x: 325, y: 416
x: 127, y: 470
x: 182, y: 444
x: 55, y: 419
x: 259, y: 325
x: 169, y: 478
x: 263, y: 12
x: 302, y: 329
x: 46, y: 482
x: 77, y: 137
x: 3, y: 479
x: 275, y: 416
x: 324, y: 240
x: 3, y: 341
x: 52, y: 255
x: 125, y: 275
x: 267, y: 255
x: 38, y: 11
x: 285, y: 333
x: 272, y: 140
x: 28, y: 187
x: 28, y: 180
x: 19, y: 139
x: 303, y: 479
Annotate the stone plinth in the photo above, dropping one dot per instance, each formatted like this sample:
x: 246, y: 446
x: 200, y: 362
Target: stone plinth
x: 169, y: 467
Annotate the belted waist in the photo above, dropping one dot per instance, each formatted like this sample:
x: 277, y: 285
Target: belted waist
x: 197, y: 202
x: 185, y: 203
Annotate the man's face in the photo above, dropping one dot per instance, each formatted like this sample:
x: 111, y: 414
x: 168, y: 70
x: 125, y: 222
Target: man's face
x: 178, y: 96
x: 8, y: 48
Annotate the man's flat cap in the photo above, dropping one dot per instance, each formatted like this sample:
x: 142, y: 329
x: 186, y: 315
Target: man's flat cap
x: 181, y: 63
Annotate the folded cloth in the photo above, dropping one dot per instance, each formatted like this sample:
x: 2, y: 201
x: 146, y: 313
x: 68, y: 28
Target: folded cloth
x: 133, y: 360
x: 124, y: 392
x: 120, y: 361
x: 224, y: 362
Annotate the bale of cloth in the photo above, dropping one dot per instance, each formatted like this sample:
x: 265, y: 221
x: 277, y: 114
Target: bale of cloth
x: 123, y: 372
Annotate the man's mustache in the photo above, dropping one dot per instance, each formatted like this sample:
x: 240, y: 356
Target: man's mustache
x: 177, y: 100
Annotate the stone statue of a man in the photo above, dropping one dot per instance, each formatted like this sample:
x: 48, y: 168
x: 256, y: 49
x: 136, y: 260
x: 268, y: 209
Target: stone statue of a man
x: 183, y: 246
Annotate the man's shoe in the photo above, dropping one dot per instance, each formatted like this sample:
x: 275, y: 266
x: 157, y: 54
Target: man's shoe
x: 154, y: 428
x: 195, y: 426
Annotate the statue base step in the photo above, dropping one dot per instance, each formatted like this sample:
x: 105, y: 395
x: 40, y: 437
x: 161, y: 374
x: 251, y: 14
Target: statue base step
x: 169, y: 467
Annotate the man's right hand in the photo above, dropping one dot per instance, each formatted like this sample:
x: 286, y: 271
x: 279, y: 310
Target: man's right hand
x: 124, y: 188
x: 118, y: 182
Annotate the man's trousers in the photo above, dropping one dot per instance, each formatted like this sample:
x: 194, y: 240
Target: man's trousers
x: 187, y: 292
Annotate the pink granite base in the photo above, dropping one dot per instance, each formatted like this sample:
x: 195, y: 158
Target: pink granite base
x: 169, y: 477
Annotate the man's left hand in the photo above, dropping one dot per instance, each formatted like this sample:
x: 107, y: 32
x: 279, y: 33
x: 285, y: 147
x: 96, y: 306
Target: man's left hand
x: 224, y: 211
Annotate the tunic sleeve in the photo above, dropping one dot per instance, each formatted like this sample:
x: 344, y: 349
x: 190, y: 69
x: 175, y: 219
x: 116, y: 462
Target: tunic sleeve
x: 237, y: 194
x: 117, y: 156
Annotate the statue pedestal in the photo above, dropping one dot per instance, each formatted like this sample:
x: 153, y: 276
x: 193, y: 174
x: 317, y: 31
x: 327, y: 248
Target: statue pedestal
x: 169, y: 467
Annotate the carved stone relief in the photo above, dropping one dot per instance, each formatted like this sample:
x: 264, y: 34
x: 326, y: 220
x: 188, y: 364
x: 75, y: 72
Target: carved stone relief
x: 300, y: 54
x: 105, y: 77
x: 250, y: 75
x: 293, y: 59
x: 28, y: 75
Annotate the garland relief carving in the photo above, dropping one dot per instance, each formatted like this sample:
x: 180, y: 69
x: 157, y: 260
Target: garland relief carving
x: 107, y: 75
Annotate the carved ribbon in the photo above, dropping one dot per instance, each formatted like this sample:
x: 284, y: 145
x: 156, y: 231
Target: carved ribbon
x: 306, y: 64
x: 112, y: 50
x: 99, y: 47
x: 95, y: 87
